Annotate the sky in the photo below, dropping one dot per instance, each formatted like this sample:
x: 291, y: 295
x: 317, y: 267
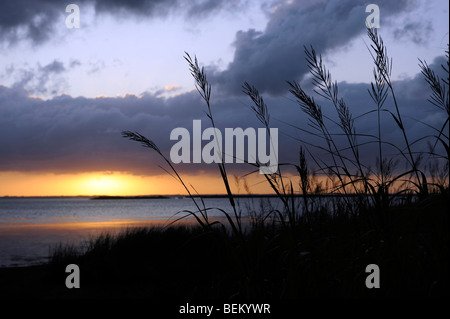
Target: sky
x: 66, y: 94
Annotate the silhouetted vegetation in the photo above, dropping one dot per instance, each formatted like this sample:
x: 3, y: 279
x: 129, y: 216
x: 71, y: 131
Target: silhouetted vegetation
x: 322, y: 255
x: 315, y: 246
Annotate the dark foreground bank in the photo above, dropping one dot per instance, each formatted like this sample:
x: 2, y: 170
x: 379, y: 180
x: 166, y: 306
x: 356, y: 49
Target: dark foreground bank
x: 320, y: 255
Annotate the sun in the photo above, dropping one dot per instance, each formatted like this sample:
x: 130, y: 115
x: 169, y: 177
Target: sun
x: 103, y: 184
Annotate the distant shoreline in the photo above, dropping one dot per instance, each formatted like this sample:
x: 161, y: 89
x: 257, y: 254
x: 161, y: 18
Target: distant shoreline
x: 110, y: 197
x: 129, y: 197
x: 181, y: 196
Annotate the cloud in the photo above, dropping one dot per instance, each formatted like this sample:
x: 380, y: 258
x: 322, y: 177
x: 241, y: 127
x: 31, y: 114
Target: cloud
x: 66, y: 134
x: 95, y: 67
x: 267, y: 59
x: 74, y: 135
x: 41, y: 80
x: 418, y: 32
x: 28, y: 19
x: 35, y: 20
x: 74, y: 63
x: 192, y: 8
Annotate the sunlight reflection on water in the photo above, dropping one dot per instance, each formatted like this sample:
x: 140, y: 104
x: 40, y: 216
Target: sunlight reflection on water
x: 29, y: 227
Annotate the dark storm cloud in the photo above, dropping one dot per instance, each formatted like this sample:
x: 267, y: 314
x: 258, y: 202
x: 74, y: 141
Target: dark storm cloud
x: 160, y: 7
x: 191, y: 8
x: 136, y: 6
x: 28, y: 19
x: 267, y: 59
x: 35, y: 19
x: 67, y: 134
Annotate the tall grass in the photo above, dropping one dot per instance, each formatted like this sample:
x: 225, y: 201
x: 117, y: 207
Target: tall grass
x: 367, y: 213
x: 344, y: 167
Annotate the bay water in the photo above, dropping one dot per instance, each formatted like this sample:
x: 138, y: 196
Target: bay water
x: 31, y: 227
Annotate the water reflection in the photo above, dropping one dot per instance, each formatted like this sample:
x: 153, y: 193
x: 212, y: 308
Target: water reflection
x: 23, y: 244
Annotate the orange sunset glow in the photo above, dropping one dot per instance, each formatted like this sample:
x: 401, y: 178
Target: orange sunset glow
x: 114, y: 184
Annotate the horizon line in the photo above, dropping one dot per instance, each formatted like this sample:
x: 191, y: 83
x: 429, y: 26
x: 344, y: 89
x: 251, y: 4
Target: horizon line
x: 162, y: 196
